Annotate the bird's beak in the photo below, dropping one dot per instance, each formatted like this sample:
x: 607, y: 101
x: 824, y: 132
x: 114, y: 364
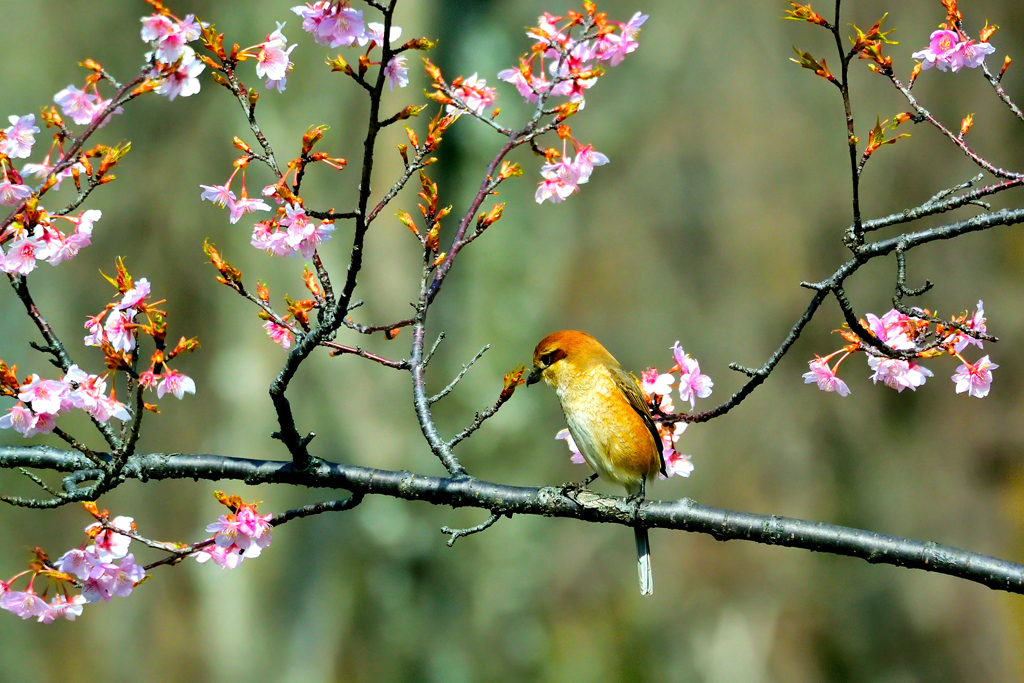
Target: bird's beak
x: 534, y: 376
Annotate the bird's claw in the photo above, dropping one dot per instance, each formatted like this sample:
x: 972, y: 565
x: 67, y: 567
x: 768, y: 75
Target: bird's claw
x: 571, y: 488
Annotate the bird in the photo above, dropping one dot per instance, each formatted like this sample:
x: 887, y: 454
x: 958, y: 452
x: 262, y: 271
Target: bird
x: 608, y: 418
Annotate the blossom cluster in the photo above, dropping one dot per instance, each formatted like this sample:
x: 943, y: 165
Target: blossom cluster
x: 40, y: 401
x: 102, y: 567
x: 571, y: 62
x: 101, y: 570
x: 950, y: 49
x: 336, y: 24
x: 657, y: 388
x: 176, y: 67
x: 905, y: 333
x: 562, y: 176
x: 241, y: 534
x: 43, y: 241
x: 573, y: 66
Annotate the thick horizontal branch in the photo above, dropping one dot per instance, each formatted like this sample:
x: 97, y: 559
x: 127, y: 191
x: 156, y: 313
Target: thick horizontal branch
x: 685, y: 514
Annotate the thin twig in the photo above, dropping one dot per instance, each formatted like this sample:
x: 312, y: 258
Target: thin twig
x: 456, y: 534
x: 465, y: 368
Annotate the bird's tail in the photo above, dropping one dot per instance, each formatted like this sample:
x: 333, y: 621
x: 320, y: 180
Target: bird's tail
x: 643, y: 557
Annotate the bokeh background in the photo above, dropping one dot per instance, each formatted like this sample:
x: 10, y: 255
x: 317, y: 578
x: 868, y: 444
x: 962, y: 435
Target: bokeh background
x: 728, y: 185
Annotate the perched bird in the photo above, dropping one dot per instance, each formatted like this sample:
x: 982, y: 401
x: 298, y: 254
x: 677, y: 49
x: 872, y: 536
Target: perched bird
x: 608, y: 418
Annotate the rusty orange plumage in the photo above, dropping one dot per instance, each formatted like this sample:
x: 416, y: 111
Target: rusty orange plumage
x: 607, y: 416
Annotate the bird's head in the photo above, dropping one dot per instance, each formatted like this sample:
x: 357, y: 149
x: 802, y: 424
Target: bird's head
x: 560, y: 355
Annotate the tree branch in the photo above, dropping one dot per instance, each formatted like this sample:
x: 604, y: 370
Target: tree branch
x: 502, y: 500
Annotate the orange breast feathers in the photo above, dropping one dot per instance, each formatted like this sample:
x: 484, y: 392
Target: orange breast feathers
x: 605, y: 410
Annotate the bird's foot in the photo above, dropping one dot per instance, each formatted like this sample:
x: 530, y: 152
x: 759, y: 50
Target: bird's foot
x: 570, y: 488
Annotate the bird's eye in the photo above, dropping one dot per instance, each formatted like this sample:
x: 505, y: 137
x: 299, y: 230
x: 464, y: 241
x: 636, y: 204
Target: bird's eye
x: 552, y: 356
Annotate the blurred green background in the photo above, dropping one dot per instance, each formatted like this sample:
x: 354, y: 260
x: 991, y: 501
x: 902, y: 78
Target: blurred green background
x: 728, y: 185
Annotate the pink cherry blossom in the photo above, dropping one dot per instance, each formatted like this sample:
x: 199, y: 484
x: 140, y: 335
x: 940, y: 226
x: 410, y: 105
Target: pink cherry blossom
x: 126, y: 576
x: 272, y: 61
x: 825, y: 377
x: 117, y: 330
x: 279, y: 334
x: 946, y: 50
x: 975, y: 378
x: 66, y: 247
x: 78, y: 104
x: 561, y: 180
x: 976, y: 323
x: 134, y: 296
x: 252, y: 524
x: 375, y: 33
x: 225, y: 558
x: 897, y: 373
x: 272, y: 241
x: 107, y: 407
x: 657, y: 384
x: 586, y: 159
x: 941, y: 46
x: 98, y: 585
x: 25, y: 604
x: 692, y: 384
x: 576, y: 457
x: 19, y: 136
x: 174, y: 382
x: 312, y: 237
x: 184, y: 80
x: 220, y: 195
x: 44, y: 395
x: 21, y: 255
x: 332, y: 24
x: 169, y: 37
x: 156, y: 27
x: 475, y: 95
x: 617, y: 46
x: 556, y: 187
x: 247, y: 531
x: 108, y: 544
x: 246, y: 205
x: 20, y: 419
x: 893, y: 329
x: 970, y: 55
x: 42, y: 170
x: 676, y: 463
x: 77, y: 562
x: 148, y: 379
x: 12, y: 193
x: 95, y: 327
x: 397, y: 72
x: 62, y: 606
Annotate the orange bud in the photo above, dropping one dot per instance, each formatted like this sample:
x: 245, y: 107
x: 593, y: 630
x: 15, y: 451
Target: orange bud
x: 966, y: 124
x: 1006, y: 65
x: 314, y: 134
x: 229, y: 274
x: 805, y: 13
x: 263, y: 292
x: 432, y: 71
x: 915, y: 73
x: 392, y: 333
x: 309, y: 277
x: 987, y: 32
x: 339, y: 64
x: 512, y: 380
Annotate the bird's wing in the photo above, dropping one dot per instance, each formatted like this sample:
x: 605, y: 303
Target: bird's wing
x: 630, y: 387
